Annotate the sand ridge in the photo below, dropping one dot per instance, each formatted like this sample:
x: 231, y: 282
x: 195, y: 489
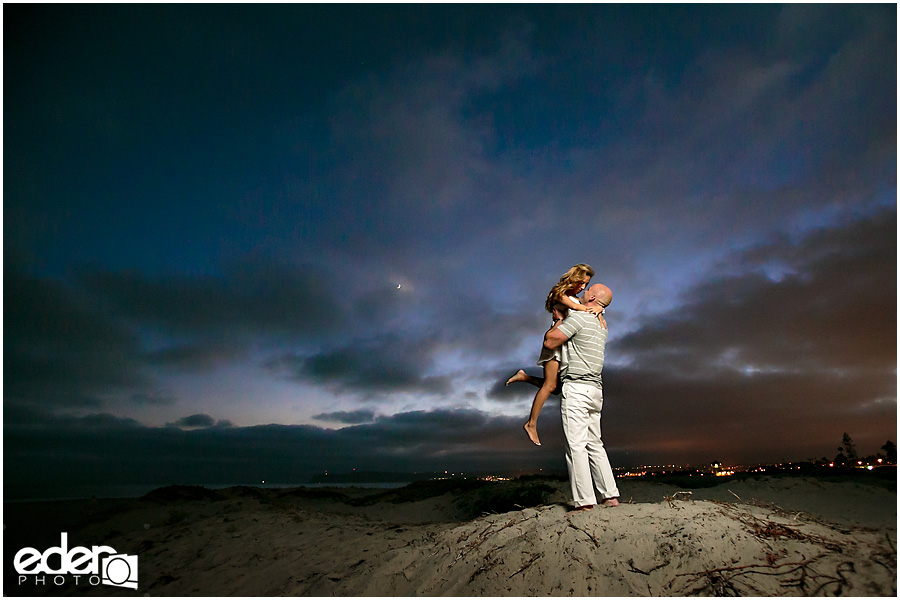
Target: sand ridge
x: 678, y: 548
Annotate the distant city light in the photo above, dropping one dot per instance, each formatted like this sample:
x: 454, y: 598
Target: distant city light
x: 635, y: 473
x: 719, y: 469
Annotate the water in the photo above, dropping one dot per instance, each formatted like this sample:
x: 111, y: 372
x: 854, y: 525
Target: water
x: 79, y: 492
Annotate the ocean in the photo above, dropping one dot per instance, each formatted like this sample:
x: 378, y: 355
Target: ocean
x: 79, y: 492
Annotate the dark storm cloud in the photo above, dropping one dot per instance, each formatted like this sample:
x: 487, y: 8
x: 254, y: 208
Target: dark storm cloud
x: 68, y: 343
x: 256, y: 296
x: 406, y: 342
x: 61, y: 349
x: 832, y: 307
x: 73, y: 344
x: 391, y: 340
x: 198, y: 421
x: 112, y: 450
x: 744, y: 138
x: 657, y: 416
x: 353, y: 417
x: 154, y: 398
x: 405, y: 137
x: 485, y: 324
x: 387, y: 363
x: 197, y: 356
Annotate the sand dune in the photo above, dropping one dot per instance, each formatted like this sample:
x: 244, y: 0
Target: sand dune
x: 499, y: 539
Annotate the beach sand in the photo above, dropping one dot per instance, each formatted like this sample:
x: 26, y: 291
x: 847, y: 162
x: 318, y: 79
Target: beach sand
x: 769, y: 536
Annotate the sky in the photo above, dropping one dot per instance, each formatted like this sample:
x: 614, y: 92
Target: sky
x: 247, y: 242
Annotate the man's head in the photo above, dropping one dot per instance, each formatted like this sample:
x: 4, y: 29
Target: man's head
x: 598, y: 295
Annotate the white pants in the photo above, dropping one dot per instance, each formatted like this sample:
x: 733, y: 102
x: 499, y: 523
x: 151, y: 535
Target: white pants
x: 585, y: 454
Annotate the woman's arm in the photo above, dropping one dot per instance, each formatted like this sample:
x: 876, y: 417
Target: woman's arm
x: 567, y: 301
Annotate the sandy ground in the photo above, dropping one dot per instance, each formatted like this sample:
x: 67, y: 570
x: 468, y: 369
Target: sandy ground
x: 762, y: 537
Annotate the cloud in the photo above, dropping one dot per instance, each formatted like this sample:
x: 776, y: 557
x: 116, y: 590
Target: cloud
x: 199, y: 421
x: 412, y: 152
x: 834, y: 308
x: 347, y: 417
x: 69, y: 344
x: 658, y: 416
x: 439, y: 341
x: 120, y: 334
x: 60, y: 348
x: 254, y: 295
x: 194, y: 421
x: 198, y: 355
x: 409, y: 131
x: 111, y: 337
x: 746, y: 140
x: 153, y: 398
x: 386, y: 363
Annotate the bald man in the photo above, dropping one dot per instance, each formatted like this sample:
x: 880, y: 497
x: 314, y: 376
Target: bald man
x: 582, y: 399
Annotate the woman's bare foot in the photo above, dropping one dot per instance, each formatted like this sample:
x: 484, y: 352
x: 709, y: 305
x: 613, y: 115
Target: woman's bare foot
x: 531, y: 430
x: 610, y: 502
x: 519, y: 376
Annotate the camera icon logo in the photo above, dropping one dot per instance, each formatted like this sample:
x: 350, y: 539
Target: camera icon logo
x: 120, y: 570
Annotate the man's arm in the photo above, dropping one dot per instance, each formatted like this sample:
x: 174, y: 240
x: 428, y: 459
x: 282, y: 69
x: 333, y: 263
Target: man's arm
x: 554, y: 338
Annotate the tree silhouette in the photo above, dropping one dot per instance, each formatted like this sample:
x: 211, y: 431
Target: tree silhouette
x: 890, y: 451
x: 849, y: 448
x: 840, y: 459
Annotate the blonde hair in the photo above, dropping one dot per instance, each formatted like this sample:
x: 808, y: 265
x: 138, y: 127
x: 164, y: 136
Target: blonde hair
x: 569, y: 281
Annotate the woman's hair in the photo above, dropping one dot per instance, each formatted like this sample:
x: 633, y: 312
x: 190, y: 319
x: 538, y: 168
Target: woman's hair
x: 570, y: 280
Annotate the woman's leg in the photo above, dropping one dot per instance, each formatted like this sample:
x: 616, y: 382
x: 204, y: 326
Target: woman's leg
x: 551, y: 371
x: 526, y: 378
x: 538, y: 382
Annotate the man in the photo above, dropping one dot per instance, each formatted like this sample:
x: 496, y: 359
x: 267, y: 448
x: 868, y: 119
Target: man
x: 582, y: 399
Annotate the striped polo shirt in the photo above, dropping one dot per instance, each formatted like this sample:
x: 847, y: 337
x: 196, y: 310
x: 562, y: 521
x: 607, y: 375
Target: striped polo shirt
x: 586, y: 346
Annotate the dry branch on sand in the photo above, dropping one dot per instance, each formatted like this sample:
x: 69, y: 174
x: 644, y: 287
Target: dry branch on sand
x: 724, y: 580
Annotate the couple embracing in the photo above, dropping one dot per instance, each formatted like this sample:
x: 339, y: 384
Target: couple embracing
x: 573, y: 356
